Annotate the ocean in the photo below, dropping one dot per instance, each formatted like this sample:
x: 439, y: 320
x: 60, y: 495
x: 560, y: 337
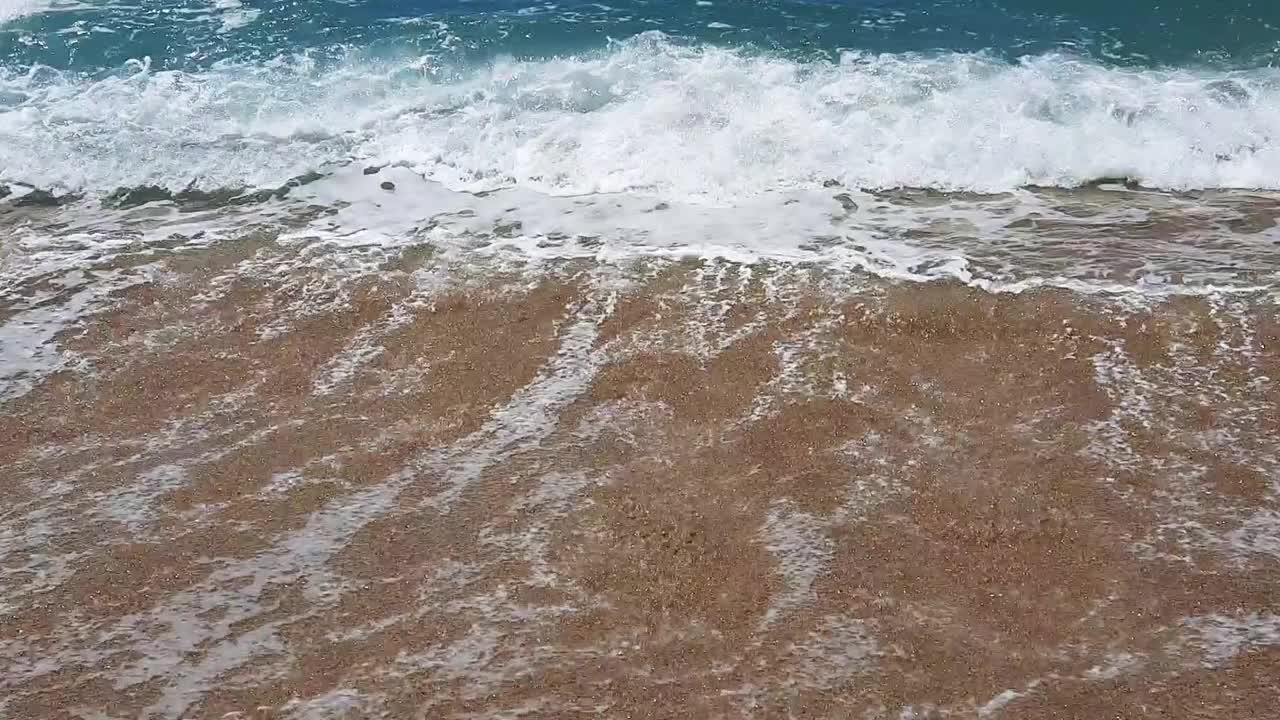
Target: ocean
x: 698, y: 359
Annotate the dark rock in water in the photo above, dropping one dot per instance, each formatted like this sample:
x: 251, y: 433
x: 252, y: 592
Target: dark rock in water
x: 661, y: 206
x: 196, y: 199
x: 1122, y: 180
x: 589, y: 241
x: 507, y: 230
x: 5, y: 191
x: 256, y: 197
x: 829, y: 183
x: 192, y: 198
x: 42, y: 198
x: 387, y: 185
x: 846, y: 202
x: 303, y: 179
x: 127, y: 197
x: 372, y: 170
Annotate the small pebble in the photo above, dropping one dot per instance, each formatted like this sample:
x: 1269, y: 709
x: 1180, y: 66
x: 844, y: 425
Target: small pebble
x: 387, y: 185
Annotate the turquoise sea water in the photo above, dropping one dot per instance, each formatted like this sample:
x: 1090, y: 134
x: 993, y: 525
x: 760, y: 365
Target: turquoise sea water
x: 88, y: 36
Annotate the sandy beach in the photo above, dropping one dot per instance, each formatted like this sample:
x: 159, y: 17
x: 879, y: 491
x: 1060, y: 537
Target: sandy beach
x: 246, y: 485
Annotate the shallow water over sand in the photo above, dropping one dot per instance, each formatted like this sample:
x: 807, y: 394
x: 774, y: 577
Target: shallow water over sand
x: 286, y: 478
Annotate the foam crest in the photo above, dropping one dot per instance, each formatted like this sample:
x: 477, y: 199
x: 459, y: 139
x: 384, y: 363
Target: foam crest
x: 651, y: 116
x: 712, y: 123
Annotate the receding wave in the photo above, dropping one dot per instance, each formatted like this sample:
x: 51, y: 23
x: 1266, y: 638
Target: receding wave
x: 651, y: 116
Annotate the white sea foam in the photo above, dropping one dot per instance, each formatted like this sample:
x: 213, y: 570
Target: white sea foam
x: 1011, y: 243
x: 234, y: 14
x: 15, y: 9
x: 1223, y: 637
x: 654, y: 117
x: 975, y: 242
x: 655, y: 149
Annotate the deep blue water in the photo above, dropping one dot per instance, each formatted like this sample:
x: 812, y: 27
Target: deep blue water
x: 189, y: 34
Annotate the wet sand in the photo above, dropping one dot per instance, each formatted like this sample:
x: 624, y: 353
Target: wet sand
x: 246, y: 485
